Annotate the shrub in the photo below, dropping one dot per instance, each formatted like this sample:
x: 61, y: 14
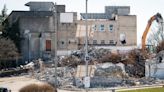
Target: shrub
x: 136, y: 55
x: 38, y: 88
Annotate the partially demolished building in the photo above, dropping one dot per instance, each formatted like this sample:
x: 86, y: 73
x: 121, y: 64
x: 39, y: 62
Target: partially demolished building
x: 113, y: 28
x: 37, y: 29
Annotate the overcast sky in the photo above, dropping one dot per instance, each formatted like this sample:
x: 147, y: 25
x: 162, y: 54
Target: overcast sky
x: 144, y: 9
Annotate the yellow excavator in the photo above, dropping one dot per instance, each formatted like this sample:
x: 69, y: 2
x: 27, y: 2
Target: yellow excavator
x: 156, y: 17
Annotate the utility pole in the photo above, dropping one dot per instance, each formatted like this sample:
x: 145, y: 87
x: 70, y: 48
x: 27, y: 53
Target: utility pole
x: 87, y: 78
x: 86, y: 40
x: 55, y: 56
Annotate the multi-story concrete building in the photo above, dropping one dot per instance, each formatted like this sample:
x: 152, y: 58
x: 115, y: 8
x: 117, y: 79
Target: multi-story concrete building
x: 38, y: 25
x: 114, y: 27
x: 37, y: 29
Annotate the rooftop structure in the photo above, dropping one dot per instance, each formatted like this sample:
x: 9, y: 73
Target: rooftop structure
x: 44, y: 6
x: 110, y: 11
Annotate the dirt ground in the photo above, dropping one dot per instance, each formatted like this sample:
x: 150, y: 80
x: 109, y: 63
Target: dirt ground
x: 16, y: 83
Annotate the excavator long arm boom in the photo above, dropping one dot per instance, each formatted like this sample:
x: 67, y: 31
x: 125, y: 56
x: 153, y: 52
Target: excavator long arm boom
x: 156, y: 17
x: 146, y: 32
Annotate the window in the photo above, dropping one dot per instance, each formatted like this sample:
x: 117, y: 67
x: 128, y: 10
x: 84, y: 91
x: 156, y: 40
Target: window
x: 102, y: 28
x: 111, y: 28
x: 94, y: 27
x: 102, y: 41
x: 111, y: 42
x: 94, y: 41
x: 48, y: 45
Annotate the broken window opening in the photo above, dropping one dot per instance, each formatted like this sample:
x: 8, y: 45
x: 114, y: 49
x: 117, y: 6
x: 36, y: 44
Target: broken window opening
x: 93, y: 27
x: 123, y: 42
x: 123, y: 38
x: 62, y: 42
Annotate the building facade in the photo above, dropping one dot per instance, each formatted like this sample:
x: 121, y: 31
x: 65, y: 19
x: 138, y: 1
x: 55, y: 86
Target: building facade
x: 37, y: 29
x: 115, y: 27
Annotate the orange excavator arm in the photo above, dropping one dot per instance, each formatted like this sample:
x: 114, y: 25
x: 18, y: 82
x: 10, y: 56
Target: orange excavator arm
x: 156, y: 17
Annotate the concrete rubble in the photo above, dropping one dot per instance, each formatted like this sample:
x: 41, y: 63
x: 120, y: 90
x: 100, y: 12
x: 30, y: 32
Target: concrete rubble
x: 77, y: 57
x: 103, y: 75
x: 110, y: 69
x: 155, y: 67
x: 66, y: 78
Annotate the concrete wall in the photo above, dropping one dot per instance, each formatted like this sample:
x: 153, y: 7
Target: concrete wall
x: 40, y: 29
x: 120, y: 26
x: 36, y: 24
x: 66, y: 35
x: 128, y: 26
x: 44, y: 27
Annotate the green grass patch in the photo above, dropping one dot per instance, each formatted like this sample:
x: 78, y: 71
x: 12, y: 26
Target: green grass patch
x: 146, y: 90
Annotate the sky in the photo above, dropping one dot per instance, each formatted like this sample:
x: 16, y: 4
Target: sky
x: 144, y: 9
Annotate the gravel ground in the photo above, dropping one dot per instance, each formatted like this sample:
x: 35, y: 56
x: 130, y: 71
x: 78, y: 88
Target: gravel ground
x: 16, y: 83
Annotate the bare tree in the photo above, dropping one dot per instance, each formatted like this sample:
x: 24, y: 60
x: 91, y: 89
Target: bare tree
x: 156, y: 35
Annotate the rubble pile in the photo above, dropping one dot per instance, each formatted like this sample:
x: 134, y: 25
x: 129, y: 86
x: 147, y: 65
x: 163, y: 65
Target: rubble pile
x: 72, y: 61
x: 136, y: 70
x: 65, y: 76
x: 108, y: 75
x: 110, y: 69
x: 154, y: 66
x: 98, y: 53
x: 135, y: 66
x: 77, y: 57
x: 105, y: 74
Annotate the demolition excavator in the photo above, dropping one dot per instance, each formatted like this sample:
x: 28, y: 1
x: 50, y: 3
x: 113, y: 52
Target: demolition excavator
x: 157, y: 17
